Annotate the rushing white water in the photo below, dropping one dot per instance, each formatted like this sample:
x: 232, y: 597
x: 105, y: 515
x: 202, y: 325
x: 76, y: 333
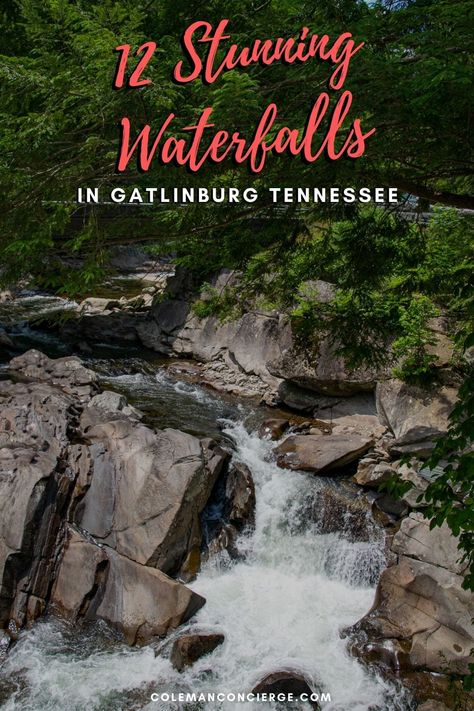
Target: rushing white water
x: 283, y: 606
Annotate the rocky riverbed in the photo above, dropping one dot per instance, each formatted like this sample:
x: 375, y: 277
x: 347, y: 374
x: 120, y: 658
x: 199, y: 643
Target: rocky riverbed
x: 253, y: 541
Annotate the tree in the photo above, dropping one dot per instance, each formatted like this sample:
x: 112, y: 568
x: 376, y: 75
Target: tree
x: 412, y: 81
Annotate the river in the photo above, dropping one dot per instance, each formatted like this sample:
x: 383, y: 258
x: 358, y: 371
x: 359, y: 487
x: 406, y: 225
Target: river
x: 282, y: 605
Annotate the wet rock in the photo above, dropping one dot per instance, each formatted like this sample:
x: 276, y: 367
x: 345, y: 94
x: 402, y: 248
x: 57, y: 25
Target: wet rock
x: 4, y: 645
x: 321, y: 454
x: 142, y: 602
x: 188, y: 648
x: 425, y: 605
x: 138, y: 601
x: 436, y: 688
x: 287, y: 682
x: 240, y: 496
x: 273, y: 428
x: 230, y: 509
x: 117, y: 326
x: 68, y: 456
x: 415, y: 416
x: 341, y: 509
x: 148, y: 490
x: 387, y: 654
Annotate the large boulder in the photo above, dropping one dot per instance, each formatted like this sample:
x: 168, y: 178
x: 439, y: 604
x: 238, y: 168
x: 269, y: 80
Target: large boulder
x: 323, y: 372
x: 325, y: 406
x: 258, y: 344
x: 420, y: 600
x: 284, y: 682
x: 188, y: 648
x: 68, y: 454
x: 365, y: 425
x: 138, y: 601
x: 35, y: 487
x: 68, y: 373
x: 148, y: 490
x: 372, y: 473
x: 321, y: 453
x: 415, y: 415
x: 258, y: 340
x: 437, y: 546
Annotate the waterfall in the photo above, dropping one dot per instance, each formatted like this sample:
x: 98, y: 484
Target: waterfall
x: 282, y: 606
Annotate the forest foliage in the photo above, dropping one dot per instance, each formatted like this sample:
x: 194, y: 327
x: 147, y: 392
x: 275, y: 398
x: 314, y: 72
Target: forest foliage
x: 59, y: 114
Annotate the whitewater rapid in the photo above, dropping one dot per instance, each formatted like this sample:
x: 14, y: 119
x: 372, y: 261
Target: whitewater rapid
x: 283, y: 606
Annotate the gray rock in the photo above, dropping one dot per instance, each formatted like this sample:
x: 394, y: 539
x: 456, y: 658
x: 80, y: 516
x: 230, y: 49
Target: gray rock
x: 412, y: 473
x: 414, y: 415
x: 297, y: 398
x: 324, y: 372
x: 148, y: 490
x: 68, y: 373
x: 188, y: 648
x: 421, y: 600
x: 138, y: 601
x: 437, y: 546
x: 365, y: 425
x: 390, y: 505
x: 321, y: 454
x: 371, y: 473
x: 323, y: 406
x: 109, y: 401
x: 34, y: 492
x: 287, y: 681
x: 140, y: 492
x: 240, y: 496
x: 95, y: 305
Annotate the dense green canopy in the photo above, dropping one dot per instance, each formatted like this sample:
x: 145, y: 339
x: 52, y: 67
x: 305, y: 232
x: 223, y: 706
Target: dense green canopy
x: 59, y: 114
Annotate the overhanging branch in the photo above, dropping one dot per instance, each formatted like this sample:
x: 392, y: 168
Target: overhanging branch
x: 462, y: 202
